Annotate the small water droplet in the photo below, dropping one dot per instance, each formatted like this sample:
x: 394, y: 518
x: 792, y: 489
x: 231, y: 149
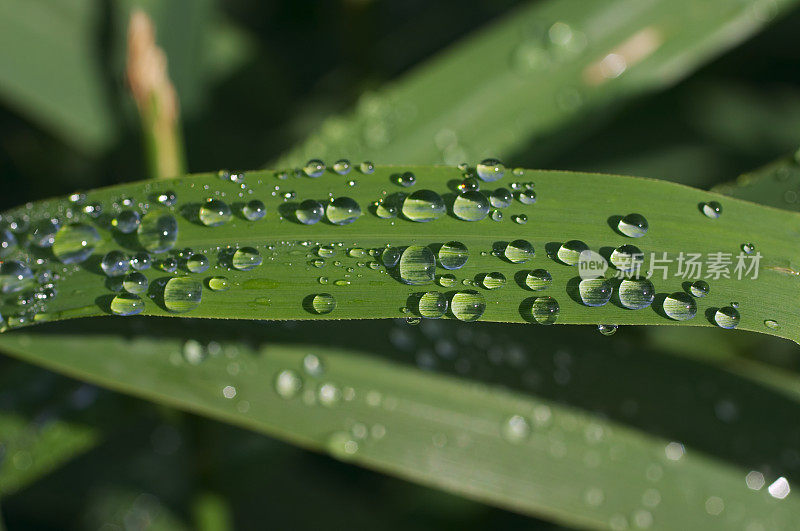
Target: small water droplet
x: 748, y: 248
x: 772, y: 324
x: 167, y: 198
x: 526, y: 197
x: 633, y: 225
x: 493, y: 280
x: 446, y: 280
x: 699, y: 288
x: 471, y: 206
x: 14, y: 276
x: 490, y: 170
x: 343, y: 211
x: 680, y: 306
x: 367, y: 167
x: 126, y: 221
x: 538, y: 279
x: 423, y: 206
x: 314, y: 168
x: 469, y: 184
x: 545, y: 310
x: 519, y: 251
x: 390, y: 256
x: 182, y: 294
x: 500, y: 198
x: 627, y: 257
x: 432, y: 305
x: 417, y: 265
x: 712, y: 209
x: 595, y: 291
x: 607, y: 330
x: 93, y: 210
x: 115, y: 263
x: 246, y: 258
x: 520, y: 219
x: 254, y: 210
x: 197, y: 263
x: 214, y: 213
x: 218, y: 284
x: 405, y: 179
x: 727, y: 317
x: 127, y: 304
x: 74, y: 243
x: 467, y: 305
x: 323, y: 303
x: 135, y: 283
x: 570, y: 252
x: 636, y: 293
x: 158, y: 232
x: 342, y: 166
x: 169, y: 264
x: 497, y: 215
x: 453, y: 255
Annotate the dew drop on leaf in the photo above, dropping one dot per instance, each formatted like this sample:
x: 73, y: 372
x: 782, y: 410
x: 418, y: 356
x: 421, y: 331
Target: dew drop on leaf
x: 680, y: 306
x: 323, y: 303
x: 135, y: 283
x: 595, y: 291
x: 314, y: 168
x: 633, y: 225
x: 471, y: 206
x: 367, y: 167
x: 538, y: 279
x: 712, y: 209
x: 526, y: 197
x: 607, y: 329
x: 182, y: 294
x: 218, y: 283
x: 432, y: 305
x: 417, y: 265
x: 342, y: 166
x: 127, y: 304
x: 197, y: 263
x: 288, y: 383
x: 115, y: 263
x: 570, y: 252
x: 453, y: 255
x: 636, y: 293
x: 214, y: 213
x: 519, y: 251
x: 14, y: 276
x: 254, y: 210
x: 500, y: 198
x: 126, y: 221
x: 343, y: 211
x: 727, y: 317
x: 627, y: 257
x: 309, y: 212
x: 158, y: 232
x: 467, y: 305
x: 423, y: 206
x: 74, y: 243
x: 699, y: 288
x: 490, y: 170
x: 493, y: 280
x: 545, y: 310
x: 246, y: 258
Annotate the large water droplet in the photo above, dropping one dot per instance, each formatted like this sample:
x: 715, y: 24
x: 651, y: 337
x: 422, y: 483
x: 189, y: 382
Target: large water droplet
x: 712, y: 209
x: 627, y: 257
x: 471, y: 206
x: 75, y: 243
x: 115, y: 263
x: 182, y: 294
x: 158, y: 232
x: 126, y: 304
x: 570, y: 252
x: 519, y: 251
x: 254, y: 210
x: 500, y: 198
x: 633, y: 225
x: 538, y: 279
x: 727, y: 317
x: 126, y: 221
x: 14, y: 276
x: 699, y: 288
x: 636, y: 293
x: 680, y: 306
x: 343, y: 211
x: 490, y: 170
x: 467, y: 305
x: 423, y: 205
x: 214, y: 213
x: 417, y: 265
x: 197, y: 263
x: 432, y: 305
x: 309, y: 212
x: 453, y: 255
x: 314, y: 168
x: 323, y: 303
x: 545, y: 310
x: 135, y: 283
x: 595, y: 291
x: 246, y: 258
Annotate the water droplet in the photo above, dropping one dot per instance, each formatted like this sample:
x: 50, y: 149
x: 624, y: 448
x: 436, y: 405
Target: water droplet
x: 182, y: 294
x: 595, y: 291
x: 197, y: 263
x: 497, y: 215
x: 343, y: 211
x: 367, y: 167
x: 538, y: 279
x: 727, y: 317
x: 93, y: 210
x: 453, y: 255
x: 636, y: 293
x: 493, y: 280
x: 772, y: 324
x: 447, y: 280
x: 342, y: 446
x: 389, y: 207
x: 158, y: 232
x: 218, y: 284
x: 748, y: 248
x: 500, y: 198
x: 519, y: 251
x: 43, y: 235
x: 326, y: 251
x: 417, y: 265
x: 570, y: 252
x: 405, y: 179
x: 115, y: 263
x: 214, y: 213
x: 323, y: 303
x: 432, y: 305
x: 520, y: 219
x: 390, y: 256
x: 14, y: 276
x: 471, y: 206
x: 246, y: 258
x: 342, y: 166
x: 169, y: 264
x: 469, y: 184
x: 633, y: 225
x: 309, y: 212
x: 167, y: 198
x: 526, y: 197
x: 254, y: 210
x: 545, y: 310
x: 516, y: 429
x: 288, y: 383
x: 7, y: 242
x: 699, y: 288
x: 423, y: 205
x: 490, y: 170
x: 126, y: 304
x: 314, y: 168
x: 627, y: 257
x: 135, y: 283
x: 75, y: 243
x: 467, y: 305
x: 680, y: 306
x: 126, y: 221
x: 712, y: 209
x: 607, y: 330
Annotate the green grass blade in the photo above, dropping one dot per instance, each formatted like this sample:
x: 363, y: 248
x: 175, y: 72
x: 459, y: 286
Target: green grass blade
x: 576, y: 453
x: 570, y: 206
x: 533, y: 72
